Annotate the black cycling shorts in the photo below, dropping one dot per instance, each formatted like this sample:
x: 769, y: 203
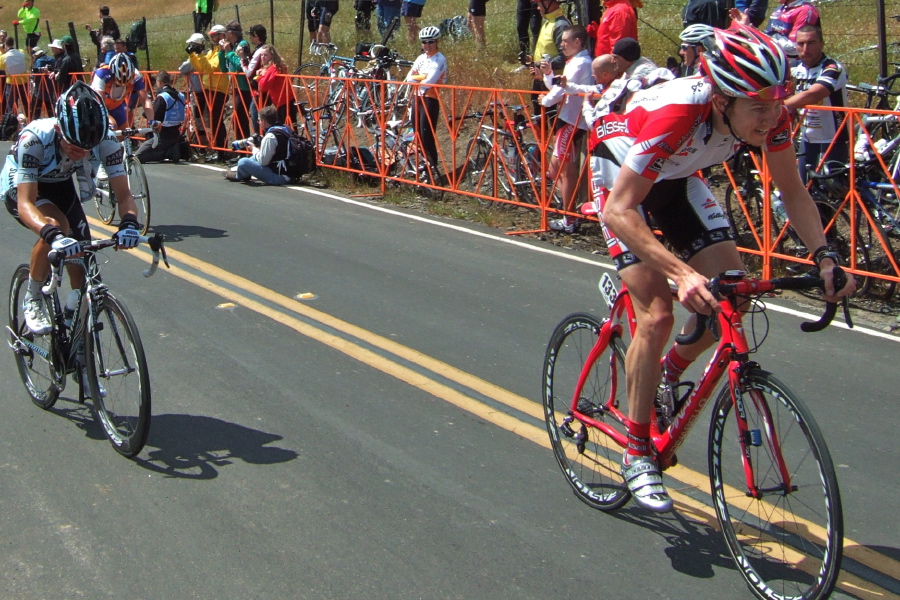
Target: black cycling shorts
x: 65, y: 197
x: 478, y: 8
x: 320, y: 12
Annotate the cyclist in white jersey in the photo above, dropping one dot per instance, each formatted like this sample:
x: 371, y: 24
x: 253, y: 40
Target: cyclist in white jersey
x: 429, y: 68
x: 648, y: 158
x: 37, y: 187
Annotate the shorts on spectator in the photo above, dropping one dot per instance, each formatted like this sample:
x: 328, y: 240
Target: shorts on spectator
x: 478, y: 8
x: 565, y: 147
x: 410, y: 9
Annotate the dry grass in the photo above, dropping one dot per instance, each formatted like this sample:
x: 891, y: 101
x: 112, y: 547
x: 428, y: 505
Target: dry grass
x: 850, y: 27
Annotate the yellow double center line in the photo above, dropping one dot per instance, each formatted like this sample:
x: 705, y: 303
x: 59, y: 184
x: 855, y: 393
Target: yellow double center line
x: 687, y: 505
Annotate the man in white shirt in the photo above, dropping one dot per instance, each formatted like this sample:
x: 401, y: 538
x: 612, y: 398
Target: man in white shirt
x: 263, y: 161
x: 571, y: 128
x: 12, y: 64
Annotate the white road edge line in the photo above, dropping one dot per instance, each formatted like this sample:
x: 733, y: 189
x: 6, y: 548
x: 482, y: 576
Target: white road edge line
x: 517, y: 243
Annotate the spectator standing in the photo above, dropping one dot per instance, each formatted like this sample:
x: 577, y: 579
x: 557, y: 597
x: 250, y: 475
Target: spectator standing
x: 14, y: 66
x: 549, y: 43
x: 363, y: 19
x: 318, y: 18
x: 196, y: 43
x: 3, y: 36
x: 274, y: 90
x: 430, y: 68
x: 571, y: 128
x: 629, y: 62
x: 411, y: 10
x: 217, y: 86
x: 67, y: 63
x: 475, y: 18
x: 250, y: 66
x: 168, y: 117
x: 230, y: 62
x: 108, y: 28
x: 120, y: 46
x: 785, y: 22
x: 819, y: 81
x: 756, y: 10
x: 43, y: 96
x: 385, y: 12
x: 107, y: 50
x: 619, y: 21
x: 203, y: 12
x: 29, y: 18
x: 263, y: 161
x: 705, y: 12
x: 528, y: 20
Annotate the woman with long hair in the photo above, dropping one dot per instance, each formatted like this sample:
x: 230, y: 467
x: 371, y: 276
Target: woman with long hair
x: 273, y: 89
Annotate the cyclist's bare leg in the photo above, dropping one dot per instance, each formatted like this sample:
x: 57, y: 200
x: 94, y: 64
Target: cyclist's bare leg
x: 412, y: 30
x: 39, y: 266
x: 653, y: 306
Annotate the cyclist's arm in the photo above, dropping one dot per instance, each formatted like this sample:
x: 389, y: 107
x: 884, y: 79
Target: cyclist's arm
x: 621, y: 215
x: 28, y: 212
x: 803, y: 214
x: 124, y: 199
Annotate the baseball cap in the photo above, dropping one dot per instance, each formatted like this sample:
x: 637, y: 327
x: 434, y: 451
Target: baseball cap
x: 67, y: 39
x: 627, y: 48
x: 218, y: 29
x: 37, y: 52
x: 196, y: 38
x: 55, y: 44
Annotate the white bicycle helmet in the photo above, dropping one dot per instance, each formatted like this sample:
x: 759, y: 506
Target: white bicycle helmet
x: 744, y: 63
x: 697, y: 34
x: 430, y: 34
x: 121, y: 68
x: 81, y: 116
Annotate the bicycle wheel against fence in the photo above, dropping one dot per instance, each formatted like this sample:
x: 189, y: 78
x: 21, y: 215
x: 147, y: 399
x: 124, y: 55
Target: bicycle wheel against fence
x: 137, y: 182
x: 36, y: 355
x: 588, y: 458
x: 838, y: 236
x: 479, y: 173
x: 118, y: 376
x: 788, y: 543
x: 306, y: 89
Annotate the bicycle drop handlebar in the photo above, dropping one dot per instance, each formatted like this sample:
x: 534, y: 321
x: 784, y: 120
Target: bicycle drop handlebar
x: 56, y: 259
x: 721, y: 286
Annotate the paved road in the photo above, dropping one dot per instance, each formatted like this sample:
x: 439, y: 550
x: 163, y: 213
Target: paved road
x: 380, y: 440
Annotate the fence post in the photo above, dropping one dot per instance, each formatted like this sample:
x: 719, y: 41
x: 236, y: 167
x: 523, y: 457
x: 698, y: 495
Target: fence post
x: 237, y: 13
x: 74, y: 38
x: 146, y: 42
x: 16, y: 34
x: 272, y: 22
x: 49, y: 35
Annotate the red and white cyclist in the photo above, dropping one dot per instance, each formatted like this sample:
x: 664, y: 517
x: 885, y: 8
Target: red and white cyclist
x: 649, y: 157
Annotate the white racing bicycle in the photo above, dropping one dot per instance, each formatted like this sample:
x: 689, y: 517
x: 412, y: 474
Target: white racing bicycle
x: 105, y: 199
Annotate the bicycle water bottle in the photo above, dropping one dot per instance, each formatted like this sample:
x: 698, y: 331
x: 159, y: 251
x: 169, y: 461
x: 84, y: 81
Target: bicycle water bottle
x: 71, y: 306
x: 778, y: 210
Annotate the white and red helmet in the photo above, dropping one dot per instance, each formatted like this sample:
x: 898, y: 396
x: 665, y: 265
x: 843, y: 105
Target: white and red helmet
x: 745, y: 63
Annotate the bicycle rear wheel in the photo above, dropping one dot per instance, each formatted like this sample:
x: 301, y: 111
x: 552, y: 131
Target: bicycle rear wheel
x: 37, y: 356
x: 788, y: 542
x: 478, y: 176
x: 118, y: 376
x: 587, y: 457
x: 137, y: 182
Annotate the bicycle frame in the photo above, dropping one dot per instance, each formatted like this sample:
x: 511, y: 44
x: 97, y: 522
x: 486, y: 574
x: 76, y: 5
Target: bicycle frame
x: 729, y: 356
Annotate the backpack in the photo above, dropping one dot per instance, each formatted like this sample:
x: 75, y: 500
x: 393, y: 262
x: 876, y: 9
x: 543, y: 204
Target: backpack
x: 301, y: 153
x: 137, y: 37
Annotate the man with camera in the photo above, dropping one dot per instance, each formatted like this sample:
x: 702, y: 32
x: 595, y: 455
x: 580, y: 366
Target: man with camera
x: 263, y: 160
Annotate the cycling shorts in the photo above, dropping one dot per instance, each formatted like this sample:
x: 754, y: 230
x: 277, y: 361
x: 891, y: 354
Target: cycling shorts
x: 119, y: 115
x: 565, y: 148
x: 61, y: 194
x: 320, y: 12
x: 684, y: 210
x: 478, y: 8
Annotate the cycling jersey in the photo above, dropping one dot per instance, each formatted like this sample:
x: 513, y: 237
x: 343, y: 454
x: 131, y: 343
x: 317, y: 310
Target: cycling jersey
x: 791, y: 16
x: 666, y: 135
x: 36, y: 157
x: 434, y: 68
x: 666, y: 132
x: 820, y: 126
x: 113, y: 94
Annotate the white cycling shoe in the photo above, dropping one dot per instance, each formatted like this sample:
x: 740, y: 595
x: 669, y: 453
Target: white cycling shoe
x: 645, y: 482
x: 36, y: 316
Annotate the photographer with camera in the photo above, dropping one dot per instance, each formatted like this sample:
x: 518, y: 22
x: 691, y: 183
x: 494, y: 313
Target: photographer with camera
x: 266, y: 153
x: 168, y: 115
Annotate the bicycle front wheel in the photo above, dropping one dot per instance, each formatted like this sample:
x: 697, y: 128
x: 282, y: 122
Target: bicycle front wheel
x: 137, y: 182
x: 785, y: 533
x: 104, y: 201
x: 479, y: 171
x: 587, y: 457
x: 37, y: 356
x: 118, y: 376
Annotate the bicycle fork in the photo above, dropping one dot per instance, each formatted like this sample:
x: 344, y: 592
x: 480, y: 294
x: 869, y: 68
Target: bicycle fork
x: 757, y: 437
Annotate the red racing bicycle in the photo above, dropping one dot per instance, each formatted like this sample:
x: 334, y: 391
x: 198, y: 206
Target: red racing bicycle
x: 774, y: 488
